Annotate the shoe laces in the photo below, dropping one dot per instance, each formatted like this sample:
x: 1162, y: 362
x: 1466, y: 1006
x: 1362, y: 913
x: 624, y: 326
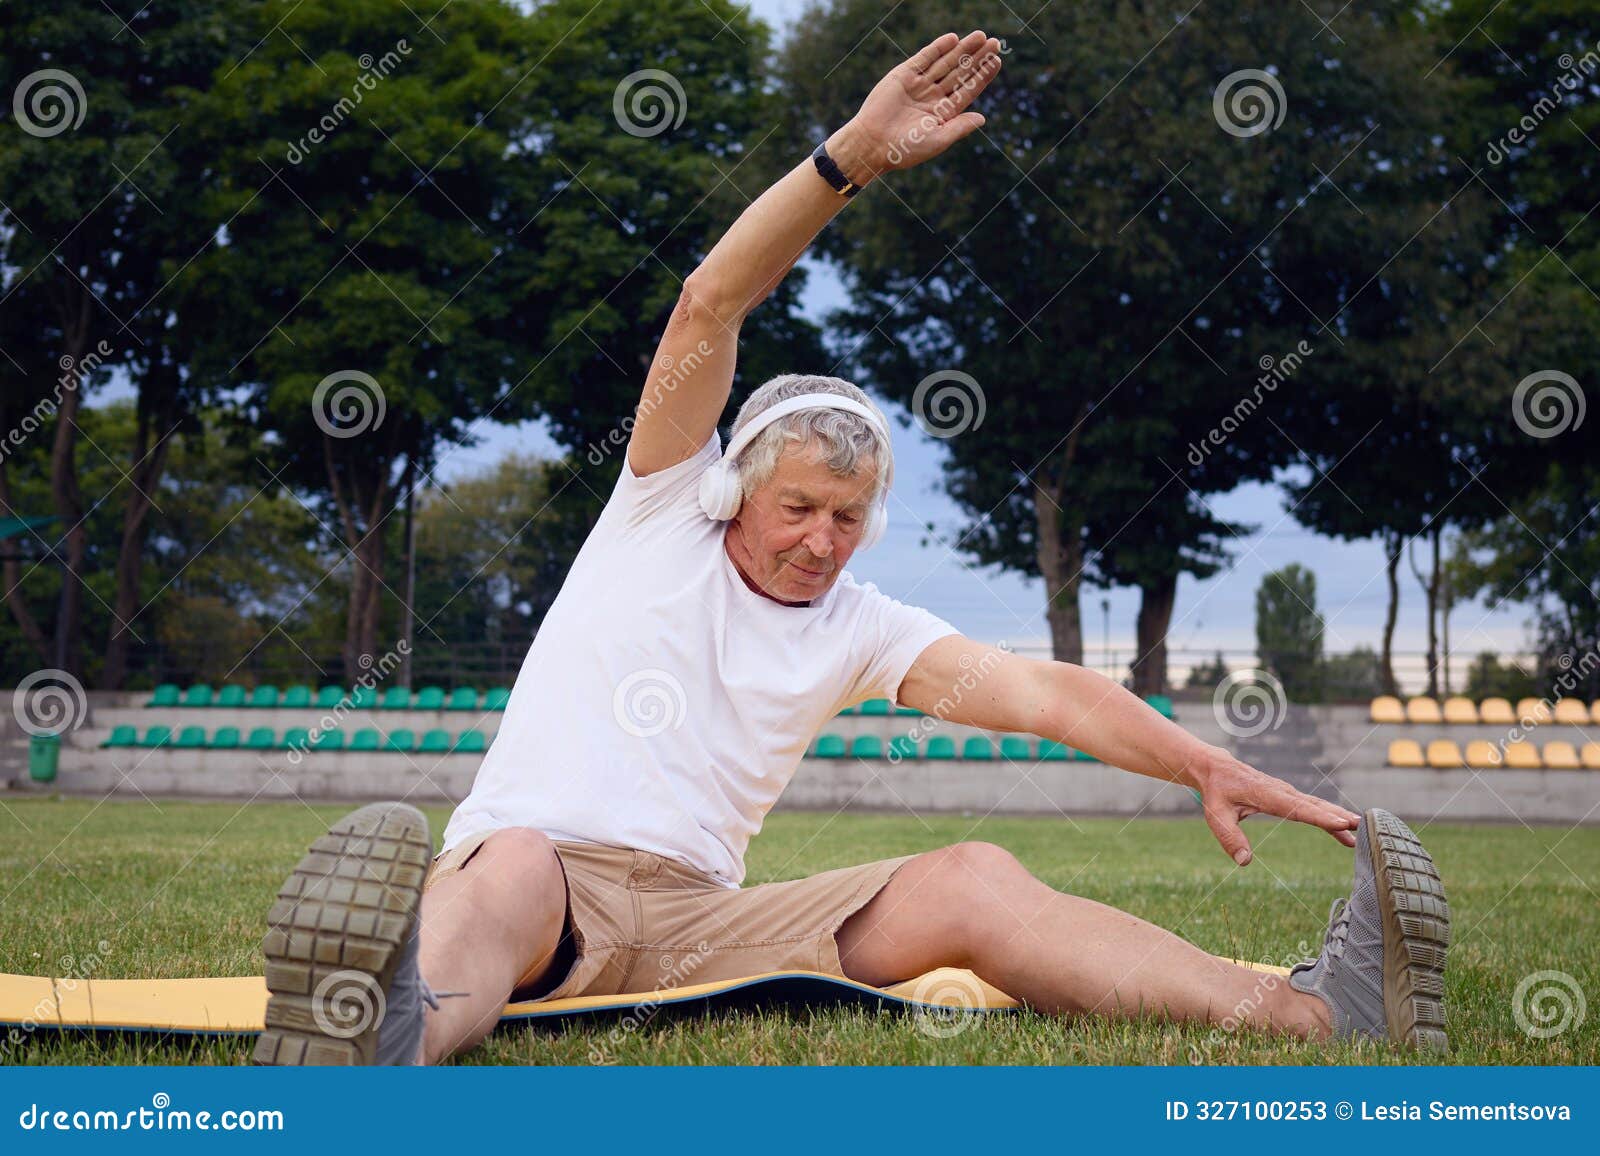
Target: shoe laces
x: 1338, y: 932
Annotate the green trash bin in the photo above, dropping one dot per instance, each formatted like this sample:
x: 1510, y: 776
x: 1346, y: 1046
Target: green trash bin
x: 44, y: 753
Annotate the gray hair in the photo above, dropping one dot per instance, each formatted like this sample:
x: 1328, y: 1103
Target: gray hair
x: 846, y: 439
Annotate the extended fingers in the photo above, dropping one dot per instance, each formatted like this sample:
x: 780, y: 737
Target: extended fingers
x: 972, y: 72
x: 932, y: 52
x: 951, y: 58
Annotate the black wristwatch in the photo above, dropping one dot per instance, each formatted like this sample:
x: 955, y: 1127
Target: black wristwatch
x: 832, y: 173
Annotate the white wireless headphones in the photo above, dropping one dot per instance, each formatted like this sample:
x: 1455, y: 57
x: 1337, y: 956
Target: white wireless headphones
x: 721, y: 493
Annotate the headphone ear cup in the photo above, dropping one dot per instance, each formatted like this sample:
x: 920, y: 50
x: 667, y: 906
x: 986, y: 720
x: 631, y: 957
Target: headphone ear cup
x: 720, y: 492
x: 877, y: 523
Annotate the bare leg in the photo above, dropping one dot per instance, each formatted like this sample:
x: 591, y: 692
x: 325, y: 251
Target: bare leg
x: 482, y: 928
x: 974, y: 906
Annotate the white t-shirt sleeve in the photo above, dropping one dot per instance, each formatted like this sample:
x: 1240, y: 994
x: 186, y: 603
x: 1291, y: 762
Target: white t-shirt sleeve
x: 893, y: 635
x: 674, y: 490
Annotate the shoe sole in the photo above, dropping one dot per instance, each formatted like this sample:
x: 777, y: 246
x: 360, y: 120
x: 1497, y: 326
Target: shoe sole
x: 335, y: 933
x: 1416, y: 932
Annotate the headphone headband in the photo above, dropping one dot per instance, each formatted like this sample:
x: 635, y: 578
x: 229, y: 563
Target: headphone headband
x: 788, y: 405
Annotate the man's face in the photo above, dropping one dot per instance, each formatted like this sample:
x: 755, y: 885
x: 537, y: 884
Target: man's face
x: 793, y: 535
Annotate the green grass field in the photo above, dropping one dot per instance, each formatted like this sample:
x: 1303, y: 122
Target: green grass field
x: 180, y: 889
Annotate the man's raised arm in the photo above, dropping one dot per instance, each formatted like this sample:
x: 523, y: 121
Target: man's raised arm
x: 914, y: 113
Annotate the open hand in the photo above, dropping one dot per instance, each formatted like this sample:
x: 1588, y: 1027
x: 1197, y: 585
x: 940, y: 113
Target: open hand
x: 1231, y: 790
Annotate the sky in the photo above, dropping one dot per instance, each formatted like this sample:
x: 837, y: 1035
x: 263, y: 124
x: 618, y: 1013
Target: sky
x: 1218, y: 613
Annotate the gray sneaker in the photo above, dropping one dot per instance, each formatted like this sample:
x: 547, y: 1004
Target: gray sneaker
x: 1381, y: 971
x: 341, y: 945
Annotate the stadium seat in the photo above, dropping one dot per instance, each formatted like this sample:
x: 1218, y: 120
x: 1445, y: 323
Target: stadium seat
x: 264, y: 696
x: 1533, y: 711
x: 429, y: 698
x: 1443, y: 753
x: 1496, y: 712
x: 1594, y: 711
x: 940, y: 747
x: 396, y: 698
x: 1522, y: 757
x: 908, y: 711
x: 329, y: 697
x: 365, y: 739
x: 200, y: 694
x: 1561, y: 756
x: 1387, y: 709
x: 435, y: 743
x: 191, y: 739
x: 902, y: 747
x: 261, y: 739
x: 1051, y: 751
x: 166, y: 694
x: 296, y: 739
x: 1015, y: 749
x: 157, y: 736
x: 463, y: 698
x: 471, y: 742
x: 1589, y: 756
x: 1406, y: 753
x: 230, y: 695
x: 1460, y: 710
x: 866, y: 747
x: 1161, y: 703
x: 1483, y: 756
x: 977, y: 747
x: 830, y: 747
x: 875, y: 706
x: 1083, y: 756
x: 122, y: 736
x: 401, y: 740
x: 297, y: 697
x: 328, y: 740
x: 226, y: 739
x: 1572, y: 712
x: 849, y: 710
x: 363, y: 697
x: 496, y: 698
x: 1423, y: 709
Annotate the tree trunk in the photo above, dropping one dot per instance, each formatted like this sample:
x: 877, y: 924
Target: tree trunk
x: 149, y: 463
x: 1392, y: 547
x: 11, y: 576
x: 68, y: 501
x: 1430, y: 587
x: 363, y: 525
x: 1061, y: 567
x: 1156, y: 599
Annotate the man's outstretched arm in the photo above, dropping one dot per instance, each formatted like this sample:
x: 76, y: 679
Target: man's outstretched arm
x: 914, y: 113
x: 967, y: 682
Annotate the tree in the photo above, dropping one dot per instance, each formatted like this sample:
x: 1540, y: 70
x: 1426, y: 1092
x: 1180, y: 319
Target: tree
x: 1289, y: 631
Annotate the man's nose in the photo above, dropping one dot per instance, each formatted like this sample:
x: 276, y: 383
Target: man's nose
x: 820, y: 540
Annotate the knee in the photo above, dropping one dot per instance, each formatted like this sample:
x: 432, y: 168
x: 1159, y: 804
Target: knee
x: 527, y: 854
x: 975, y: 869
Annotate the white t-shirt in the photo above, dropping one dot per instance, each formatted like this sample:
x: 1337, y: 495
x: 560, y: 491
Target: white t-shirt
x: 664, y: 705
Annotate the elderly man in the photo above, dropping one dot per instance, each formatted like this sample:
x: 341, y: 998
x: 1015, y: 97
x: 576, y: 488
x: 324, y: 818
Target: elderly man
x: 706, y: 632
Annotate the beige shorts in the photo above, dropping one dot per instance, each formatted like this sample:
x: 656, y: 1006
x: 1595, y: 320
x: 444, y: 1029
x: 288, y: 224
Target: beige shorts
x: 638, y: 922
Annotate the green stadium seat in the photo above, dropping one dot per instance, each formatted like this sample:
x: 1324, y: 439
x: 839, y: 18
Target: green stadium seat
x: 123, y: 736
x: 296, y: 738
x: 157, y: 737
x: 397, y: 698
x: 830, y: 747
x: 363, y: 697
x: 876, y: 706
x: 365, y: 739
x: 1051, y: 751
x: 226, y: 739
x: 297, y: 697
x: 400, y: 740
x: 472, y: 742
x: 463, y: 698
x: 1083, y: 757
x: 902, y: 747
x: 1161, y: 703
x: 866, y: 747
x: 329, y: 740
x: 191, y: 739
x: 977, y: 747
x: 497, y: 698
x: 200, y: 694
x: 429, y: 698
x: 435, y: 743
x: 167, y: 694
x: 230, y: 696
x: 910, y: 711
x: 849, y: 710
x: 940, y: 747
x: 1015, y: 749
x: 329, y: 697
x: 261, y: 739
x: 264, y: 696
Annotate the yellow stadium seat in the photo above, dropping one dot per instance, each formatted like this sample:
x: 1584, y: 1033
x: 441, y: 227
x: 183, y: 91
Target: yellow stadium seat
x: 1533, y: 711
x: 1444, y: 753
x: 1560, y: 756
x: 1594, y: 711
x: 1406, y: 753
x: 1572, y: 712
x: 1482, y: 755
x: 1590, y: 756
x: 1387, y: 709
x: 1522, y: 757
x: 1423, y: 709
x: 1496, y: 712
x: 1460, y: 710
